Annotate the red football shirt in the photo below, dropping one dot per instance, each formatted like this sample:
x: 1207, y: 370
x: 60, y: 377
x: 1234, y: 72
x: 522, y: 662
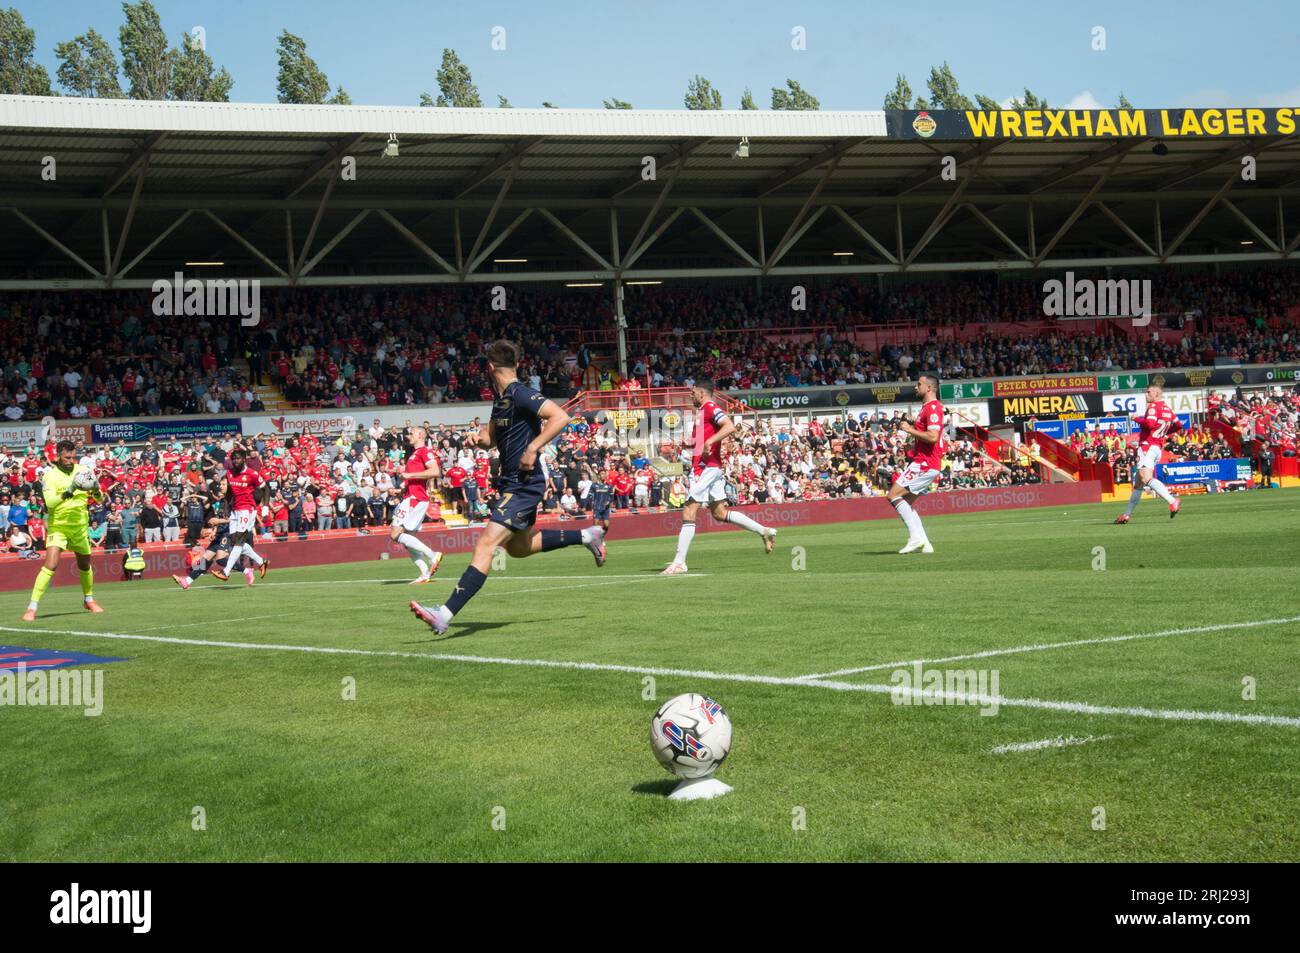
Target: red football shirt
x: 929, y: 455
x: 242, y: 487
x: 1156, y: 423
x: 707, y: 423
x: 416, y: 462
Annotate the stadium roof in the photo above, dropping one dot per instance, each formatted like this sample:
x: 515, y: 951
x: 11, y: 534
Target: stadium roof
x: 117, y: 193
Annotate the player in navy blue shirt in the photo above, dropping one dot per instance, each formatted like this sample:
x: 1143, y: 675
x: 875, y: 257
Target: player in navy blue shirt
x: 602, y: 495
x: 523, y: 422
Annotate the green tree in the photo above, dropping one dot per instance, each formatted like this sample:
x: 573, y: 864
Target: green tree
x: 20, y: 74
x: 900, y: 97
x: 300, y: 80
x: 700, y: 94
x: 921, y: 103
x: 1030, y: 101
x: 944, y: 91
x: 456, y: 87
x: 986, y: 102
x: 616, y: 104
x: 795, y: 97
x: 340, y: 98
x: 195, y: 77
x: 88, y: 67
x: 747, y: 100
x: 503, y: 103
x: 1123, y: 102
x: 146, y: 60
x: 548, y: 105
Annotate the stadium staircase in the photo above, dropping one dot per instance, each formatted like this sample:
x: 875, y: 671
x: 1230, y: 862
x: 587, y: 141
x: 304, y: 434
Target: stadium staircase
x: 271, y: 396
x: 1053, y: 463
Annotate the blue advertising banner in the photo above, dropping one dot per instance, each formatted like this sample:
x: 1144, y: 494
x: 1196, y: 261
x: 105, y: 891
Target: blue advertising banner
x: 1204, y: 471
x: 134, y: 431
x: 1064, y: 429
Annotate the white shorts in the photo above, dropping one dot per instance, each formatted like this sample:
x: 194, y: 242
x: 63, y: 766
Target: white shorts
x: 642, y: 492
x: 708, y: 486
x: 915, y: 479
x: 1148, y: 458
x: 243, y: 521
x: 410, y: 514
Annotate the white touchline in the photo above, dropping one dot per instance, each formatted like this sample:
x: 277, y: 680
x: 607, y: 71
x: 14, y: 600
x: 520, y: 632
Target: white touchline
x: 1045, y: 646
x: 1057, y: 742
x: 965, y: 698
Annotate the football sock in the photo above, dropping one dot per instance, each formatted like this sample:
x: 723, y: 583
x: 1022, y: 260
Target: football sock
x: 88, y: 583
x: 42, y: 583
x: 684, y: 538
x: 471, y: 581
x: 419, y: 552
x: 233, y: 559
x: 910, y: 519
x: 559, y: 538
x: 196, y: 572
x: 1162, y: 491
x: 248, y: 551
x: 743, y: 521
x: 1134, y: 499
x: 588, y: 535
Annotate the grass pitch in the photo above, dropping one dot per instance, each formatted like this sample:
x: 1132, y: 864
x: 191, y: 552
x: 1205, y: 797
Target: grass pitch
x: 496, y: 742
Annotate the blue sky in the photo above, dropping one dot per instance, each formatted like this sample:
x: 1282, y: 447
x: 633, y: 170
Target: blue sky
x: 1189, y: 53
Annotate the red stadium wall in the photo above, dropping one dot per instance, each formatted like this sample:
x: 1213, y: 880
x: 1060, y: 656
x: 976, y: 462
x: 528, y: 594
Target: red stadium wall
x: 18, y: 573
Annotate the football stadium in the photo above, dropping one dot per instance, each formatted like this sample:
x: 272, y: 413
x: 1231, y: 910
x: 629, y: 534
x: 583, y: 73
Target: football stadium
x: 390, y: 483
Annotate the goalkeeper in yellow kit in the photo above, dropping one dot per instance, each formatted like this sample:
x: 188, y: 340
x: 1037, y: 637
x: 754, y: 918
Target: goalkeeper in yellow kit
x: 68, y: 525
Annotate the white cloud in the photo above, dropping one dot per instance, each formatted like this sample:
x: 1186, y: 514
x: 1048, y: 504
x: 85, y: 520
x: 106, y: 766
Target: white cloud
x: 1084, y: 100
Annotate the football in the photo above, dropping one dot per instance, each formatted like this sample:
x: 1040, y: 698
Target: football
x: 83, y: 478
x: 690, y: 735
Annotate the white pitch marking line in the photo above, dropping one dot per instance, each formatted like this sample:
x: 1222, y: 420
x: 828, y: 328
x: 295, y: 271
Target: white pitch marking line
x: 963, y: 698
x: 1045, y: 646
x: 1057, y: 742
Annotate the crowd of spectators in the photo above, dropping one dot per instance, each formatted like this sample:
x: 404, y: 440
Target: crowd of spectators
x: 174, y: 490
x: 74, y: 355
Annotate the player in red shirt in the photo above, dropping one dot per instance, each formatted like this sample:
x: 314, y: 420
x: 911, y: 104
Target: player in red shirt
x: 925, y: 462
x: 708, y: 484
x: 421, y: 465
x: 1155, y: 423
x: 244, y: 486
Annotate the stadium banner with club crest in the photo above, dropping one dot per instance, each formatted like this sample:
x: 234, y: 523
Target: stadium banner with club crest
x: 1167, y: 124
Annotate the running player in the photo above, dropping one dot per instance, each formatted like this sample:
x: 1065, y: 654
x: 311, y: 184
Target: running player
x: 244, y: 486
x: 206, y: 555
x: 421, y: 465
x: 925, y: 460
x: 1155, y: 424
x: 708, y: 485
x: 69, y: 526
x: 523, y: 422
